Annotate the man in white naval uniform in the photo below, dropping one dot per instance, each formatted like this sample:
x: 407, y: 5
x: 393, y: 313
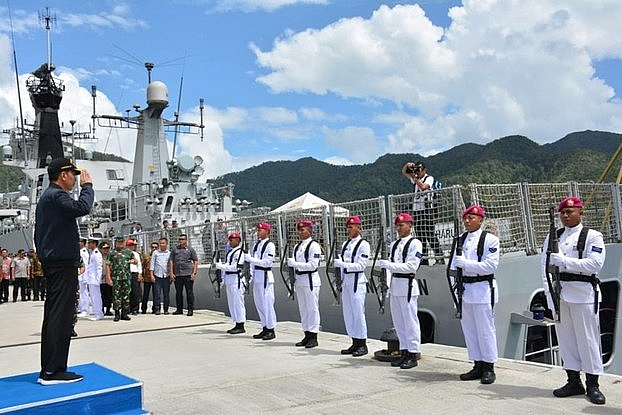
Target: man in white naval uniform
x: 83, y: 291
x: 231, y: 268
x: 306, y: 260
x: 92, y: 277
x: 354, y: 257
x: 479, y: 295
x: 261, y: 259
x: 405, y: 256
x: 578, y: 331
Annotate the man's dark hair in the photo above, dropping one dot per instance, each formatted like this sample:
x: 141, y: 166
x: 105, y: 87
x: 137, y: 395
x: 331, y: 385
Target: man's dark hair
x: 163, y: 239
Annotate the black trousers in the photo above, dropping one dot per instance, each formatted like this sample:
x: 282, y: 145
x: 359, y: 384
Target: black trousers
x: 4, y: 290
x: 182, y: 282
x: 147, y: 286
x: 134, y: 293
x: 58, y: 310
x: 106, y: 291
x: 20, y: 284
x: 39, y: 288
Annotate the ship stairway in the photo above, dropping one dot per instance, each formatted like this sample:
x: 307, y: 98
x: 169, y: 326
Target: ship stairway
x: 102, y: 391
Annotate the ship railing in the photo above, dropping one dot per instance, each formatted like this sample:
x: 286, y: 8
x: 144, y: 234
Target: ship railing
x: 516, y: 213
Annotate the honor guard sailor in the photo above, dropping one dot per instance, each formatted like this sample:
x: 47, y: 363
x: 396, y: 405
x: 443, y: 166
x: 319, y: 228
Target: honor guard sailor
x: 93, y: 276
x: 353, y: 262
x: 479, y: 260
x: 405, y: 257
x: 233, y: 282
x: 306, y: 260
x: 261, y: 259
x: 581, y: 257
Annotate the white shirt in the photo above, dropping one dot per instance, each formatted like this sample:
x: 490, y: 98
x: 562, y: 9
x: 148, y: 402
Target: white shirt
x: 93, y: 273
x: 312, y: 264
x: 264, y: 261
x: 420, y: 197
x: 357, y: 264
x: 399, y: 286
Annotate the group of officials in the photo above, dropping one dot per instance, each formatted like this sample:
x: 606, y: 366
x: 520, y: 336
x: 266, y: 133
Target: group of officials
x: 476, y: 258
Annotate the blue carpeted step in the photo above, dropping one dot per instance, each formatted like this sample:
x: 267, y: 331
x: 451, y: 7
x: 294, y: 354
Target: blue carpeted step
x: 102, y: 391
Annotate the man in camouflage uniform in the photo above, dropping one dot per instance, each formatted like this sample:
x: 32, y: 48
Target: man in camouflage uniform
x: 38, y: 277
x: 118, y: 274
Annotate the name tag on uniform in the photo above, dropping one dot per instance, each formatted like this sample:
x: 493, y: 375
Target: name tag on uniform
x: 597, y: 249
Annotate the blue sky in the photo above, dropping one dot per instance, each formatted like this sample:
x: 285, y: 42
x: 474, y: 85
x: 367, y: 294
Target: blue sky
x: 343, y: 81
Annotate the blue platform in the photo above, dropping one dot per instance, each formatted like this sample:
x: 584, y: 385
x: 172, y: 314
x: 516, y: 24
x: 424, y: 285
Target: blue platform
x: 102, y: 391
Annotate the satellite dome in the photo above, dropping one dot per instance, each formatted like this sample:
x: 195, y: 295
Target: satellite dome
x: 157, y: 94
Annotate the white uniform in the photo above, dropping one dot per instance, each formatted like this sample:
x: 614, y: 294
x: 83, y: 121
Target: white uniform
x: 308, y: 283
x: 83, y: 286
x: 403, y: 299
x: 578, y: 332
x: 353, y: 267
x: 261, y: 260
x: 92, y: 277
x: 478, y: 317
x: 233, y: 283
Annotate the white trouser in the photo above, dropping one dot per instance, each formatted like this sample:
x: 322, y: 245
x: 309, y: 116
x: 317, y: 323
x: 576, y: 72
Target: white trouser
x: 406, y: 322
x: 96, y: 299
x: 578, y: 334
x: 84, y: 297
x: 308, y: 305
x: 264, y: 303
x: 235, y: 300
x: 353, y: 305
x: 478, y: 326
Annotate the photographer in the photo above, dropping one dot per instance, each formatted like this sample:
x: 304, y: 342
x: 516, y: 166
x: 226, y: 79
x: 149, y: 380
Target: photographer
x: 423, y: 209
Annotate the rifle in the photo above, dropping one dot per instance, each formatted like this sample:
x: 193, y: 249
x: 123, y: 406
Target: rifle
x: 244, y: 267
x: 336, y: 283
x: 290, y: 280
x: 552, y: 247
x: 381, y: 288
x: 215, y: 274
x: 456, y: 288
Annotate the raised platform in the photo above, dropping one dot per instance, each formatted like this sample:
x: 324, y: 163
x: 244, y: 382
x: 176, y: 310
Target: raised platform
x: 102, y: 391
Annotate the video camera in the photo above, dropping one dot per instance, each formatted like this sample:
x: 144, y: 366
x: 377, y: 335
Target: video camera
x: 415, y: 167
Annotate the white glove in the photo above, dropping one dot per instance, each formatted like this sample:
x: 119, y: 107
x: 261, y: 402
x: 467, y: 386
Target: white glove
x: 459, y: 261
x: 219, y: 265
x: 558, y: 259
x: 291, y: 262
x: 339, y: 263
x: 384, y: 263
x: 249, y: 258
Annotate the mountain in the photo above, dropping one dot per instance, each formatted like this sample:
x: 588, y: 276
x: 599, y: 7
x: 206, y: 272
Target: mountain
x: 580, y: 156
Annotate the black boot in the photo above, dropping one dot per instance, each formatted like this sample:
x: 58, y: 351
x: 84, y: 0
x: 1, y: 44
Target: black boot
x: 361, y: 349
x: 125, y: 317
x: 312, y: 341
x: 595, y: 395
x: 305, y: 340
x: 238, y: 329
x: 574, y: 386
x: 260, y: 334
x: 350, y: 349
x: 410, y: 361
x: 473, y: 374
x: 269, y: 335
x: 488, y: 373
x: 398, y: 362
x: 117, y: 316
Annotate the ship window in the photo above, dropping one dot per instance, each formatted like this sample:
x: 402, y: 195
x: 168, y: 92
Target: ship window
x: 115, y: 174
x: 169, y: 204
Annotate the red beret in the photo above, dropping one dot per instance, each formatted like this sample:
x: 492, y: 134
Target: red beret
x: 264, y: 225
x: 474, y: 210
x: 570, y: 202
x: 235, y: 235
x: 403, y: 217
x: 305, y: 224
x: 353, y: 220
x: 130, y: 242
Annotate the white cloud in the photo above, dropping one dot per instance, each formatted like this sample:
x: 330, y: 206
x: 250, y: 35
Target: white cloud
x: 357, y: 143
x: 500, y: 68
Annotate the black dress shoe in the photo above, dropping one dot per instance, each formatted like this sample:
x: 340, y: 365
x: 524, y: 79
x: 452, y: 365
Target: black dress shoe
x: 409, y: 362
x: 270, y: 335
x: 178, y: 312
x: 190, y: 313
x: 398, y: 362
x: 125, y: 317
x: 360, y: 351
x: 73, y: 333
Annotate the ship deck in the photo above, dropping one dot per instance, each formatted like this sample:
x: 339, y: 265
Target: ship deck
x: 189, y: 365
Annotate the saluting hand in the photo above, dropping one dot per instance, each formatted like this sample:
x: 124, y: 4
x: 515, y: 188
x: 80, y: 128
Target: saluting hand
x: 85, y: 177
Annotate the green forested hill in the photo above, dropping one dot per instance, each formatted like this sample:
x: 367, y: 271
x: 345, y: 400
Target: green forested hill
x: 580, y: 156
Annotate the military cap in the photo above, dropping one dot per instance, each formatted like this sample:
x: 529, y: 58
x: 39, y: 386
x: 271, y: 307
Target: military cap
x: 264, y: 225
x: 61, y: 164
x: 403, y: 217
x: 353, y: 220
x: 235, y: 235
x: 304, y: 224
x: 474, y: 210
